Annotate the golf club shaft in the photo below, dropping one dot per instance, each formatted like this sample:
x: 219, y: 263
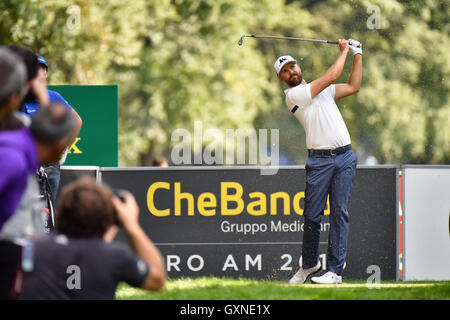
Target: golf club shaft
x: 287, y: 38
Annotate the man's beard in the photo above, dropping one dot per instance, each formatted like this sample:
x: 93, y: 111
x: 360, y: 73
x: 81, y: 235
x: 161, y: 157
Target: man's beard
x: 293, y: 82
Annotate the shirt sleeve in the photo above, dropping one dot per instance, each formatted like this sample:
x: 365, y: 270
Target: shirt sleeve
x: 132, y: 269
x: 13, y: 181
x: 332, y: 90
x: 300, y: 95
x: 56, y: 97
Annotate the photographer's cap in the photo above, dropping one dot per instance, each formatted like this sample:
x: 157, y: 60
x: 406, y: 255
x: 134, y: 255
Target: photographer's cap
x: 281, y: 61
x: 42, y: 61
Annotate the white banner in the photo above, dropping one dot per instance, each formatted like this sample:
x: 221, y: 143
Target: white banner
x: 426, y: 225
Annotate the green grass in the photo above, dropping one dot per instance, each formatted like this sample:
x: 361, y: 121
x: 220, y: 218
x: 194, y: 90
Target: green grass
x: 245, y: 289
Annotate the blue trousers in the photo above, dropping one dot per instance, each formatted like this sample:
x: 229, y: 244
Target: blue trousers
x: 328, y: 175
x: 53, y: 171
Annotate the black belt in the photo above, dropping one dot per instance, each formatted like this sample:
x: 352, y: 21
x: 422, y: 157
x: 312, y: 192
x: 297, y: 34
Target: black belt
x: 330, y: 152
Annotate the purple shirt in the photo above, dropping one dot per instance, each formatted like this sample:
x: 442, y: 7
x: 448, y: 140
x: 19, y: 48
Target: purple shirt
x: 18, y: 158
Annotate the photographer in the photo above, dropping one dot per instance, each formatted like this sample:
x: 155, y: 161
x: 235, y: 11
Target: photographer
x: 21, y: 212
x: 80, y: 261
x: 32, y: 103
x: 36, y: 88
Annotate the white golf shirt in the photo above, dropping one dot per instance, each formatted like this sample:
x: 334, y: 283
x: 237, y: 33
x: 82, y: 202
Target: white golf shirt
x: 320, y: 117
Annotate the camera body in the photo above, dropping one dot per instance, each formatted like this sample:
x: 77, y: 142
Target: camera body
x: 119, y: 193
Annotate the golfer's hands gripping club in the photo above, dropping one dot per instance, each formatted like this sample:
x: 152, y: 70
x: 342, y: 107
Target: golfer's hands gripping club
x: 343, y: 45
x: 127, y: 211
x: 355, y: 47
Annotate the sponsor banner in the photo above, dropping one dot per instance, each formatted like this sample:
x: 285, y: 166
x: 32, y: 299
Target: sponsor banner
x: 233, y: 221
x: 426, y: 222
x: 98, y: 109
x: 72, y: 173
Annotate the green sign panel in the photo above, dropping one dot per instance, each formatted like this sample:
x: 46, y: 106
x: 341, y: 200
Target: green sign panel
x: 97, y: 142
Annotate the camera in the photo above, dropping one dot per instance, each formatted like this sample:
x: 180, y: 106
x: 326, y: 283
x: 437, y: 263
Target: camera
x: 119, y: 193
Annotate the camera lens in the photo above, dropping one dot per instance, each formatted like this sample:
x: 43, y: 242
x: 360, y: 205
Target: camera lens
x: 120, y: 193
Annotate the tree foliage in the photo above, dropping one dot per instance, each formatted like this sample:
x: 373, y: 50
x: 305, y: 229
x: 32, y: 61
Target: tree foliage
x: 178, y: 61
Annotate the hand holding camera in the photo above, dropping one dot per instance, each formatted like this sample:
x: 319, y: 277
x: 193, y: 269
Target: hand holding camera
x: 126, y: 208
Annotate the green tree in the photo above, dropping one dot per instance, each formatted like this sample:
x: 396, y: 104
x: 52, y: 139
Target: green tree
x: 193, y: 69
x: 178, y: 61
x: 401, y: 113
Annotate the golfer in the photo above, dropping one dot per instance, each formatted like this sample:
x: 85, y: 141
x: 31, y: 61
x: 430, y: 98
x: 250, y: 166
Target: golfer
x: 331, y: 164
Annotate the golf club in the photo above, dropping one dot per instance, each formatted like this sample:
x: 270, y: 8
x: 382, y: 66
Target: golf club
x: 241, y: 40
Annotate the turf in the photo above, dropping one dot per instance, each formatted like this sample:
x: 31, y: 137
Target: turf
x: 244, y: 289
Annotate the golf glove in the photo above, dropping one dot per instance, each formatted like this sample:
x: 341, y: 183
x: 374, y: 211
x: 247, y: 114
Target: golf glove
x: 355, y: 47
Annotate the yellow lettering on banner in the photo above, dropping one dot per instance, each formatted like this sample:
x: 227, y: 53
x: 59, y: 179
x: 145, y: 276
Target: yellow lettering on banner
x: 183, y: 196
x: 225, y: 198
x: 207, y: 200
x: 230, y: 193
x: 296, y: 203
x: 151, y: 196
x: 274, y: 205
x: 261, y: 203
x: 76, y: 150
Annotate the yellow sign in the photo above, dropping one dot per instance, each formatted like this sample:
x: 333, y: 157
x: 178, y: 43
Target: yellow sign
x: 74, y: 147
x: 230, y: 193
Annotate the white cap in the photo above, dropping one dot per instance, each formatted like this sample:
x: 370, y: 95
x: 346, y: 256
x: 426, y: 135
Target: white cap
x: 281, y: 61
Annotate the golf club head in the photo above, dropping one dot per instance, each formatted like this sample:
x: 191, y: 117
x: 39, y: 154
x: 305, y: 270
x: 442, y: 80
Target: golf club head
x: 241, y: 40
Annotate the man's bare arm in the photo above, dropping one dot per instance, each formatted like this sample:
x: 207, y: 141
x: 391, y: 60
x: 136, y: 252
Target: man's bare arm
x: 354, y: 83
x: 333, y: 73
x: 128, y: 215
x: 79, y: 123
